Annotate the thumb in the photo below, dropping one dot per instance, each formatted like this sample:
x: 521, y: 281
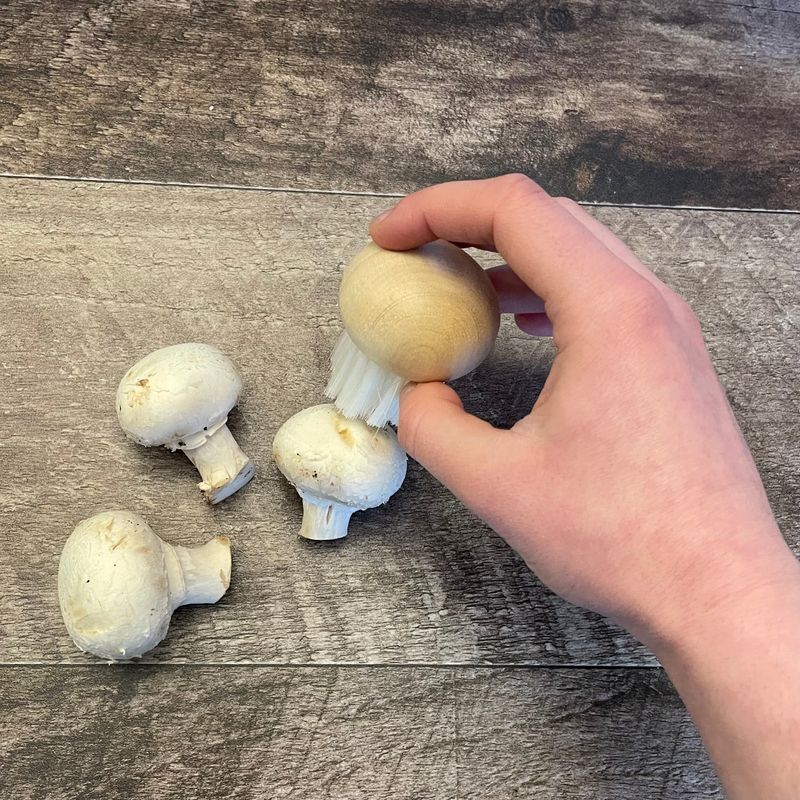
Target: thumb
x: 454, y: 446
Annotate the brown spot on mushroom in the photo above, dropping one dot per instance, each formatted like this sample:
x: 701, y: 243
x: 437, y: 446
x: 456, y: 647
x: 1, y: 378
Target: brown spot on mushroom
x: 137, y: 393
x: 344, y: 432
x: 224, y: 578
x: 124, y: 538
x: 82, y: 620
x: 76, y: 609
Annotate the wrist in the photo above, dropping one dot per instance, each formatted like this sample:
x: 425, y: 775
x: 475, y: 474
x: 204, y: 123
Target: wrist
x: 735, y: 665
x: 742, y: 596
x: 759, y: 613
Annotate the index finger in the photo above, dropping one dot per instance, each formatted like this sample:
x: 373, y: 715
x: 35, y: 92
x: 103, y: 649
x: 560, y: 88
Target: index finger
x: 553, y: 253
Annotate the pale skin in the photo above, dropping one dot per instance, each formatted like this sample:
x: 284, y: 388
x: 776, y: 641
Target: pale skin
x: 629, y: 488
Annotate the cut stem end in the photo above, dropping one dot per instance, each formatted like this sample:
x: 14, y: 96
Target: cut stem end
x: 206, y: 571
x: 222, y: 465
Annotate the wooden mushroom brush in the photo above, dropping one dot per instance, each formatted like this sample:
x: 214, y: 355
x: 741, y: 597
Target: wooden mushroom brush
x: 428, y: 314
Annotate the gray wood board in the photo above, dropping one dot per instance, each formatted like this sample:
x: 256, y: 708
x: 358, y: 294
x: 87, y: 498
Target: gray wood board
x: 675, y: 102
x: 313, y: 733
x: 93, y: 276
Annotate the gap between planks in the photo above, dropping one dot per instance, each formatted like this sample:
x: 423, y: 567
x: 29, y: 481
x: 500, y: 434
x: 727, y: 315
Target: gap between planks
x: 353, y: 193
x: 344, y: 665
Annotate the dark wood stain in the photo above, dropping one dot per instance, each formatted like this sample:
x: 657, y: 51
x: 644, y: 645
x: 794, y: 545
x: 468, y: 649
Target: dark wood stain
x: 671, y: 102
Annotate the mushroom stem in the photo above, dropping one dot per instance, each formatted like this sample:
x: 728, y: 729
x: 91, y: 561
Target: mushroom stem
x: 222, y: 465
x: 324, y: 519
x: 362, y: 389
x: 199, y: 574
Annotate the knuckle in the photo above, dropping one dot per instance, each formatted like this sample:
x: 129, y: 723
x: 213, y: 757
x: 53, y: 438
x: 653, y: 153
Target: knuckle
x: 519, y: 196
x: 685, y: 314
x: 516, y: 178
x: 644, y: 303
x: 682, y: 308
x: 517, y: 185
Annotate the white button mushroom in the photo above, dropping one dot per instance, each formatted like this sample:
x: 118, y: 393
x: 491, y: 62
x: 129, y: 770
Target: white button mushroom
x: 118, y: 583
x: 338, y: 466
x: 180, y: 397
x: 428, y: 314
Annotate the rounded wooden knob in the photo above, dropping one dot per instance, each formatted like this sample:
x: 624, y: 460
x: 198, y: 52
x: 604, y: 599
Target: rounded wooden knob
x: 428, y: 314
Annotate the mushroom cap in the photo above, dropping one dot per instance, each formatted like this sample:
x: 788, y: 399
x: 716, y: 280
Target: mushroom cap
x: 339, y: 460
x: 429, y: 314
x: 178, y: 396
x: 113, y: 586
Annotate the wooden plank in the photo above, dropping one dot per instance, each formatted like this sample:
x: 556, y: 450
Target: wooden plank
x: 247, y: 733
x: 93, y: 276
x: 675, y: 102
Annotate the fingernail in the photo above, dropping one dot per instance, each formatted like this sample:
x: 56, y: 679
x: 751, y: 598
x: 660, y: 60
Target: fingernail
x: 383, y: 216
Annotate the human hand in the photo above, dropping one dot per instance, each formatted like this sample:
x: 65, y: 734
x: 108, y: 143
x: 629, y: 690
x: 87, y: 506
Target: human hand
x: 629, y: 488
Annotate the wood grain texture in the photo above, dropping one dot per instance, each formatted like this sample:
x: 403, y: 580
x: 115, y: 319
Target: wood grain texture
x: 93, y: 276
x: 256, y: 733
x: 675, y: 102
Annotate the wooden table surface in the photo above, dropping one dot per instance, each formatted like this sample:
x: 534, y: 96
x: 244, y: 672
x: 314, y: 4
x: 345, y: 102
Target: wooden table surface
x: 177, y: 171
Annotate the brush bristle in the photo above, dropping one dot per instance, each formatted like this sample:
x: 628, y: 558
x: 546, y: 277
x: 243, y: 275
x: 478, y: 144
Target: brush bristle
x: 360, y: 388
